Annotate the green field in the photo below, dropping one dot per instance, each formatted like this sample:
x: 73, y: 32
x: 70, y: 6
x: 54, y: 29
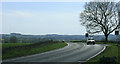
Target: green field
x: 7, y: 45
x: 12, y: 50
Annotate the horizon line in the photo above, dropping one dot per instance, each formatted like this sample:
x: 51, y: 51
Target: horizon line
x: 50, y: 34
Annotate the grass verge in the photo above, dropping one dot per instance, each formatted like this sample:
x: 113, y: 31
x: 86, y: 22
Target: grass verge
x: 30, y: 49
x: 111, y: 51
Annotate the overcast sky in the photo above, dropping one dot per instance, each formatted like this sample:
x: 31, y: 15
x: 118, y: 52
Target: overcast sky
x: 42, y: 18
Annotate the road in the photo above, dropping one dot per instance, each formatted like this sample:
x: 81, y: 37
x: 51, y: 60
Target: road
x: 74, y: 52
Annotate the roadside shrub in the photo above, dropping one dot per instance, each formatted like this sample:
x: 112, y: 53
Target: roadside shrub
x: 34, y: 45
x: 108, y: 60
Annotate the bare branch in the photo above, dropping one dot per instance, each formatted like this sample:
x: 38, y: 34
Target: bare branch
x: 100, y: 17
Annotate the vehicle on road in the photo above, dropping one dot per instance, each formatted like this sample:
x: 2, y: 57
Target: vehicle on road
x: 63, y: 40
x: 90, y: 40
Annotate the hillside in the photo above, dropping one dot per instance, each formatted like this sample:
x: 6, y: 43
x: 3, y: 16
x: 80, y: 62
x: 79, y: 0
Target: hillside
x: 35, y: 38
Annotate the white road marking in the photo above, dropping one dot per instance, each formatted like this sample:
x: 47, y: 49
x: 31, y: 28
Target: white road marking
x: 97, y: 53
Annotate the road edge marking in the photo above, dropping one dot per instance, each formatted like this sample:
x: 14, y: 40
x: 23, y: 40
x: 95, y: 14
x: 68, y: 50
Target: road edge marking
x: 93, y: 55
x: 97, y: 53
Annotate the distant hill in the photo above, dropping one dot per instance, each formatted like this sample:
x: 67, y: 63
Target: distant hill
x: 61, y: 37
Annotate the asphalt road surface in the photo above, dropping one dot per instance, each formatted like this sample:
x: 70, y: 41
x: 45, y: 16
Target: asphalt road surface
x: 74, y: 52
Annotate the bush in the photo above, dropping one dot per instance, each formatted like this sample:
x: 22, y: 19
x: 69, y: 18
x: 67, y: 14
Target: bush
x: 108, y: 60
x: 13, y: 39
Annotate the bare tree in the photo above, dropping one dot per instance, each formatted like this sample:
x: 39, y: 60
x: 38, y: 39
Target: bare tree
x: 118, y: 8
x: 100, y: 17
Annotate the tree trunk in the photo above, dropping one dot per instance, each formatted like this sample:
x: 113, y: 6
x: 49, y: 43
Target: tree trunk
x: 106, y: 38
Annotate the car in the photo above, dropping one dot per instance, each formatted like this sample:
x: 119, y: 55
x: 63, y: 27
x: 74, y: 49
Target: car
x: 63, y: 40
x: 90, y: 40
